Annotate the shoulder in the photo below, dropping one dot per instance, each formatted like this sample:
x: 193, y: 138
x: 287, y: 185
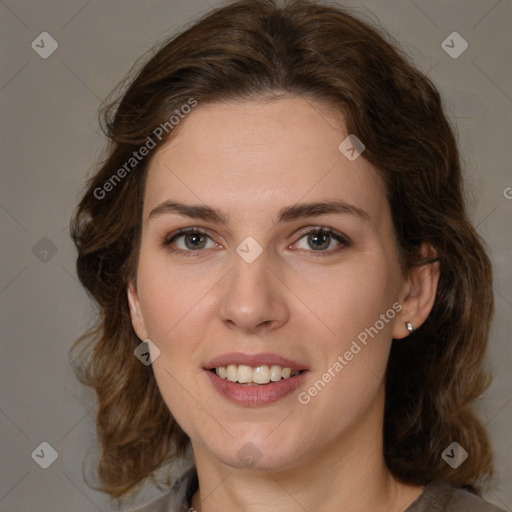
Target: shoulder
x: 177, y: 498
x: 444, y: 497
x: 465, y: 500
x: 160, y: 504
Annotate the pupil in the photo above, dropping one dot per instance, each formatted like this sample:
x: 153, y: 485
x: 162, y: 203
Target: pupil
x: 324, y: 236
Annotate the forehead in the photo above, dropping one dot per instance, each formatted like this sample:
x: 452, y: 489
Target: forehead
x: 252, y: 156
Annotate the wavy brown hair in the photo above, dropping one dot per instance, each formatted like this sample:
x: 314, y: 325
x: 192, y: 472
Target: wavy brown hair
x: 246, y: 50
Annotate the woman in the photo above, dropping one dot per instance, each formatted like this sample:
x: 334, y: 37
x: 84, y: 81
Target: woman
x: 287, y: 277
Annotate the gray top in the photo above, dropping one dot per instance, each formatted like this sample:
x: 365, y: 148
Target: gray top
x: 436, y: 497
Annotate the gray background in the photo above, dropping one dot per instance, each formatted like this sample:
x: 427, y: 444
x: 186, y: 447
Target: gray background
x: 50, y: 141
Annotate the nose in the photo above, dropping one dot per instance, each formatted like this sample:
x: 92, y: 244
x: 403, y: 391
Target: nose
x: 254, y: 298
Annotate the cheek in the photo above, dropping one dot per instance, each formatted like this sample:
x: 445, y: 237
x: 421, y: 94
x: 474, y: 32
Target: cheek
x: 174, y: 303
x: 357, y: 307
x: 174, y: 318
x: 350, y: 299
x: 171, y: 298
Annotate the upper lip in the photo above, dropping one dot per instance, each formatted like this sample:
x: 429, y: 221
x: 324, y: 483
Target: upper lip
x: 254, y: 360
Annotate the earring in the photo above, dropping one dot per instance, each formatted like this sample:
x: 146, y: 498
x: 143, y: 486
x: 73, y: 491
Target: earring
x: 410, y: 327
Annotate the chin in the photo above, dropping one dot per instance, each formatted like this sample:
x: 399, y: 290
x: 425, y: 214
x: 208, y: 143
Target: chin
x: 258, y: 453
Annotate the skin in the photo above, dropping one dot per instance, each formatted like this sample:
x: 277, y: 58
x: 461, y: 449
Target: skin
x: 250, y: 159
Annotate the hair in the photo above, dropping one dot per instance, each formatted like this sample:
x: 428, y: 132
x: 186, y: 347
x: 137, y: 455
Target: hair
x: 248, y: 50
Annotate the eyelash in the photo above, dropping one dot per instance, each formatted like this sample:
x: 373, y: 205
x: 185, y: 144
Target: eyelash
x: 342, y: 239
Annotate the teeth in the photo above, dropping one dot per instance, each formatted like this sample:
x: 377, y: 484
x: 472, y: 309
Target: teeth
x: 231, y: 372
x: 287, y: 373
x: 276, y: 372
x: 244, y: 374
x: 261, y: 375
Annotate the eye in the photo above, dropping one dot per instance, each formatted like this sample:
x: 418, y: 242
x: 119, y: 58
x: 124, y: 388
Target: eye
x: 321, y: 238
x: 193, y: 240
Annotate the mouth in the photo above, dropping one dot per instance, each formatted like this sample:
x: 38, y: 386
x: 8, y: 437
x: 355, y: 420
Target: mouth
x: 254, y: 380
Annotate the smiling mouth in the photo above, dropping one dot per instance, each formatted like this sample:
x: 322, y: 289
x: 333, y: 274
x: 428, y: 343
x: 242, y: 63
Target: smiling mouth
x: 254, y: 375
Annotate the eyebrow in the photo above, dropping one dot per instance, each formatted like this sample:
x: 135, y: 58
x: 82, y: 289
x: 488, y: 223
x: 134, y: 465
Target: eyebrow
x: 286, y: 214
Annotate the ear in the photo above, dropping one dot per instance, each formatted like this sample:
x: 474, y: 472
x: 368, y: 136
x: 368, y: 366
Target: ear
x: 135, y: 311
x: 418, y: 294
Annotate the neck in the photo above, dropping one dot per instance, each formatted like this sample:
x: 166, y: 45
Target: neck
x: 349, y: 474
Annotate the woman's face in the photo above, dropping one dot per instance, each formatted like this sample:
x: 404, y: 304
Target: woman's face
x: 248, y: 291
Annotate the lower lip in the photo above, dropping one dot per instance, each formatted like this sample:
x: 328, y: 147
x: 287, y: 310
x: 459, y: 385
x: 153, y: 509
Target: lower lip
x: 257, y: 395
